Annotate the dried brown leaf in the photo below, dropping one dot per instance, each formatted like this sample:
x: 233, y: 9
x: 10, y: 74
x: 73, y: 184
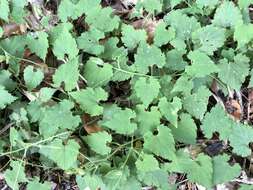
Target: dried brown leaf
x: 14, y: 29
x: 148, y: 25
x: 234, y: 109
x: 90, y: 125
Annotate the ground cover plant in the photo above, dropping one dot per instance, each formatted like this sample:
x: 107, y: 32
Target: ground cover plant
x: 126, y: 94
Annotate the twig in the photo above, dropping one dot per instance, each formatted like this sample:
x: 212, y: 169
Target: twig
x: 6, y: 127
x: 243, y: 181
x: 181, y: 182
x: 146, y: 188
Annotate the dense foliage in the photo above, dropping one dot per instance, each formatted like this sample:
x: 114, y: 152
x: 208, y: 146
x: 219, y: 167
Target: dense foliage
x: 124, y: 101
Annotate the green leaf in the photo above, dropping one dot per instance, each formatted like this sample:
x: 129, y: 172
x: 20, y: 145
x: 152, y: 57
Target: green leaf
x: 131, y: 37
x: 203, y: 171
x: 183, y: 24
x: 186, y: 131
x: 162, y: 36
x: 166, y: 83
x: 97, y: 73
x: 98, y: 142
x: 131, y: 184
x: 240, y: 137
x: 181, y: 163
x: 115, y: 177
x: 144, y: 85
x: 67, y: 9
x: 243, y: 34
x: 146, y: 163
x: 157, y: 178
x: 201, y: 66
x: 164, y: 140
x: 196, y: 103
x: 174, y: 3
x: 122, y: 71
x: 152, y: 5
x: 207, y: 3
x: 209, y: 38
x: 35, y: 111
x: 15, y: 46
x: 74, y: 9
x: 64, y: 155
x: 178, y: 44
x: 147, y: 120
x: 233, y: 73
x: 227, y: 15
x: 102, y: 19
x: 147, y: 84
x: 63, y: 42
x: 15, y: 137
x: 223, y: 124
x: 38, y: 44
x: 91, y: 182
x: 35, y: 184
x: 169, y: 109
x: 67, y: 73
x: 183, y: 84
x: 58, y: 117
x: 112, y: 51
x: 46, y: 94
x: 19, y: 117
x: 174, y: 60
x: 114, y: 115
x: 6, y: 81
x: 89, y: 99
x: 18, y: 11
x: 222, y: 171
x: 89, y: 41
x: 207, y: 172
x: 15, y: 175
x: 244, y: 3
x: 5, y: 10
x: 148, y: 56
x: 245, y: 187
x: 32, y: 78
x: 6, y: 97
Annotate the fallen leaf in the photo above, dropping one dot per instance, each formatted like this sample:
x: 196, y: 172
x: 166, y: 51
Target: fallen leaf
x: 148, y: 25
x: 13, y: 28
x: 90, y: 125
x: 234, y: 109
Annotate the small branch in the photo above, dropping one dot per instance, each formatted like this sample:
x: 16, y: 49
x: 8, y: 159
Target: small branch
x: 243, y: 181
x: 5, y: 128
